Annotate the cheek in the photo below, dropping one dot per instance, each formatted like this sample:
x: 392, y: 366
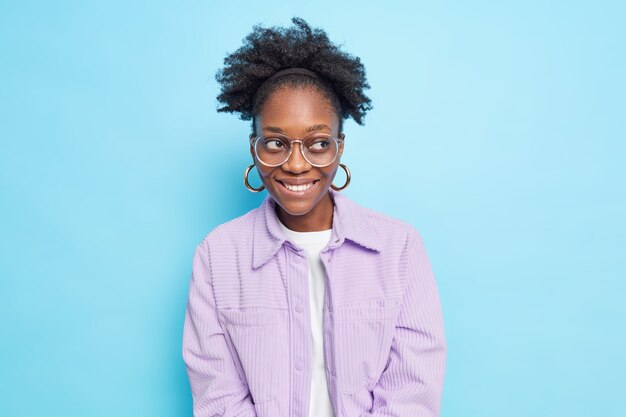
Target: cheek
x: 326, y: 174
x: 264, y: 171
x: 330, y: 173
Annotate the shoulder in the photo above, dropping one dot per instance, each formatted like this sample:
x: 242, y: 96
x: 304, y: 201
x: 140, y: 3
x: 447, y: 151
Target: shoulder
x: 387, y: 226
x: 231, y: 232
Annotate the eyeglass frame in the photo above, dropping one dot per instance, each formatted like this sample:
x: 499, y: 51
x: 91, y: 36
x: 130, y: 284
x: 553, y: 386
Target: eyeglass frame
x: 253, y: 139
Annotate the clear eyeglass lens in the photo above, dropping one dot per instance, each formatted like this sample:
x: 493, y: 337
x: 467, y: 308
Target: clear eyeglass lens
x: 320, y: 149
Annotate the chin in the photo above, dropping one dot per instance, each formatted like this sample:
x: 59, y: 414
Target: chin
x: 296, y: 208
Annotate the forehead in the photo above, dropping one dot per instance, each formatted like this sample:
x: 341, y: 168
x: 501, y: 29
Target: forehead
x: 295, y: 109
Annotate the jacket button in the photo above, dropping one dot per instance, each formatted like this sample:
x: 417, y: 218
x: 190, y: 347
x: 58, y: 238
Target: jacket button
x: 298, y: 366
x: 299, y: 308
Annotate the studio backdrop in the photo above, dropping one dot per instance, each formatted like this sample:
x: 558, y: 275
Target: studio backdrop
x: 497, y: 130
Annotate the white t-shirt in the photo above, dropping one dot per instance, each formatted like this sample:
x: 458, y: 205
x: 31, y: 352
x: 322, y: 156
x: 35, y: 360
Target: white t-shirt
x: 313, y: 243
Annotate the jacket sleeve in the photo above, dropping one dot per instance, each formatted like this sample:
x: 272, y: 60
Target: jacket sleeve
x: 216, y: 387
x: 412, y: 383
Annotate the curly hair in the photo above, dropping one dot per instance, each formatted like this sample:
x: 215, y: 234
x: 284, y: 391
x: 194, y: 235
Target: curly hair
x: 268, y: 50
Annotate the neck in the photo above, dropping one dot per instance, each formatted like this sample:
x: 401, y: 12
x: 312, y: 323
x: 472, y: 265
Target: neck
x: 319, y: 218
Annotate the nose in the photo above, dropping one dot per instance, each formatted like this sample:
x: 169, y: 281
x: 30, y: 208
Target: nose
x: 296, y: 162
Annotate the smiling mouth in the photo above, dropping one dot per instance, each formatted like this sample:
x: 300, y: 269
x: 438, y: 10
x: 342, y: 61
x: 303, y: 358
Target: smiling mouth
x: 298, y: 188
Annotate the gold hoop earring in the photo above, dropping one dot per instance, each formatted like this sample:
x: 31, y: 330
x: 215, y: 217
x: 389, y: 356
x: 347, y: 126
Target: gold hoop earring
x: 334, y: 187
x: 247, y: 184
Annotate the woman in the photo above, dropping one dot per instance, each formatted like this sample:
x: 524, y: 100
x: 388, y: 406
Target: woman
x: 309, y: 305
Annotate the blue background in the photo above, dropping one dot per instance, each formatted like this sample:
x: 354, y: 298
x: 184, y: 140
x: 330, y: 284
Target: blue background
x: 498, y: 130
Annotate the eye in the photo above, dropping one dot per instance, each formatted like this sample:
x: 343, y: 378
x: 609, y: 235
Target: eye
x: 319, y: 144
x: 273, y: 144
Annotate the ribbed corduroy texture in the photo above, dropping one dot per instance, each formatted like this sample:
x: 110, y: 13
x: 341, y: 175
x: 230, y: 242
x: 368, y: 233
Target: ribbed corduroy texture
x: 246, y: 338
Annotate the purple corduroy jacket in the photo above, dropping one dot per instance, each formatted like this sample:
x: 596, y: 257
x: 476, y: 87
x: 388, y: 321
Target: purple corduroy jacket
x: 247, y: 329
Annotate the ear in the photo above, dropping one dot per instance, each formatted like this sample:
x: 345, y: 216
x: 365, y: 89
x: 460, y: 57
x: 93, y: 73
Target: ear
x: 343, y: 137
x: 251, y: 145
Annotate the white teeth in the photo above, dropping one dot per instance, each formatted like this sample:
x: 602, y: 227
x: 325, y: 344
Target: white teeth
x: 298, y: 187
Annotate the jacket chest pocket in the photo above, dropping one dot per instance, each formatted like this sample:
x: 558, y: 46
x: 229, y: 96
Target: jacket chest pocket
x: 259, y: 338
x: 363, y: 336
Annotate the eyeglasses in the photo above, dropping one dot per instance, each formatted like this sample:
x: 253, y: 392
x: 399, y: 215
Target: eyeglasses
x: 318, y: 149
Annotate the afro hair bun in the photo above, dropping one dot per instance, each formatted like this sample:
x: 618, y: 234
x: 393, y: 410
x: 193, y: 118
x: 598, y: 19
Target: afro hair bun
x: 268, y: 50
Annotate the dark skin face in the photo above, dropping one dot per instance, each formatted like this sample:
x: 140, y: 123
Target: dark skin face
x: 295, y: 110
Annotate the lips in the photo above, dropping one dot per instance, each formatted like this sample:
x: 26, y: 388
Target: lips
x: 298, y: 186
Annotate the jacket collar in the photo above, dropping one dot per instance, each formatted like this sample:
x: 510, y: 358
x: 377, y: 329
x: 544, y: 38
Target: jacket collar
x: 349, y: 222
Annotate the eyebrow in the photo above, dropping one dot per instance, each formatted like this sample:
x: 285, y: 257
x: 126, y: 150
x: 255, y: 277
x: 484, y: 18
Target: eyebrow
x: 309, y: 129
